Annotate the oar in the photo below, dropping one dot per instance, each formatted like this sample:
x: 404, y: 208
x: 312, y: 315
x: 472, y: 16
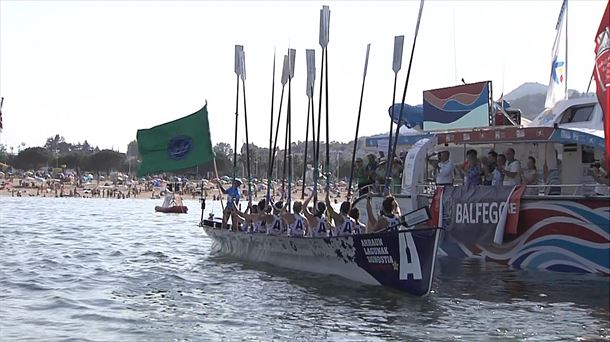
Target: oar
x: 238, y: 51
x: 310, y: 56
x: 271, y: 131
x: 396, y: 65
x: 351, y: 174
x: 243, y: 83
x: 404, y: 93
x: 279, y: 114
x: 323, y: 40
x: 291, y: 59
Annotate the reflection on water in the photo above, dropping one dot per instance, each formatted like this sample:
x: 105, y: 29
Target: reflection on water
x: 115, y: 270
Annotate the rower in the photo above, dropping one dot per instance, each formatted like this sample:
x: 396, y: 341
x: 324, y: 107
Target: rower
x: 389, y: 216
x: 254, y: 222
x: 273, y: 222
x: 343, y: 223
x: 359, y: 227
x: 318, y: 226
x: 296, y: 221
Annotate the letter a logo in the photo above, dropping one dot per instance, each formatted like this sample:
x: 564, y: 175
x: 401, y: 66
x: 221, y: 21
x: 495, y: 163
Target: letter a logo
x: 409, y: 259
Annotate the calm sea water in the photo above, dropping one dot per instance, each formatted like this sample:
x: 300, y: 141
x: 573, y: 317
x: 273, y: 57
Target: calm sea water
x: 113, y: 270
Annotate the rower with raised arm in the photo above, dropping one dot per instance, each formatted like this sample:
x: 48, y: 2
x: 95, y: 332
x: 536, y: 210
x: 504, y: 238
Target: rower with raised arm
x: 273, y: 221
x: 318, y: 226
x: 343, y: 223
x: 389, y: 216
x: 253, y: 220
x: 296, y: 221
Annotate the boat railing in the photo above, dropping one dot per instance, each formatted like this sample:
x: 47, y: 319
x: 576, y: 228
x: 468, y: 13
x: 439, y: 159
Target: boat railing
x: 540, y: 190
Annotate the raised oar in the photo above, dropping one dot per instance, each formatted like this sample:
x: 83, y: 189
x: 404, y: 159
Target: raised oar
x: 291, y: 58
x: 243, y: 84
x: 310, y: 56
x: 323, y: 40
x: 271, y: 131
x: 396, y: 65
x: 351, y: 174
x: 404, y: 93
x: 325, y: 13
x: 279, y: 114
x: 238, y: 68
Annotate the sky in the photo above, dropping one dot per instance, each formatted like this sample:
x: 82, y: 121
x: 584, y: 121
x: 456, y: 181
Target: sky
x: 101, y: 70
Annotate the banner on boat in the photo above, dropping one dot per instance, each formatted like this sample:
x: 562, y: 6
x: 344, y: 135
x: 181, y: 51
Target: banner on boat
x: 602, y: 74
x: 464, y: 106
x: 477, y: 214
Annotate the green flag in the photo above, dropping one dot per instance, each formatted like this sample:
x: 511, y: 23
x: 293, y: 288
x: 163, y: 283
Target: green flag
x: 176, y: 145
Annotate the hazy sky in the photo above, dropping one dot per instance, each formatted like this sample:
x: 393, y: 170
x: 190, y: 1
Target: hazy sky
x: 100, y: 70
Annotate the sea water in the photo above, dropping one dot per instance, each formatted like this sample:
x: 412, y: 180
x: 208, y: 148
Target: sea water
x: 114, y: 270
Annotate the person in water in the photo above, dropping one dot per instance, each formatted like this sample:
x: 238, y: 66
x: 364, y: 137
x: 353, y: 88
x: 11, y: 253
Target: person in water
x: 389, y: 216
x: 233, y: 197
x: 318, y: 226
x: 343, y: 223
x: 296, y: 222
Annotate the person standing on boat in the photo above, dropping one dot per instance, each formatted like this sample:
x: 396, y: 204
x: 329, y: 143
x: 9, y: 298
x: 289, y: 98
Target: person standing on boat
x: 444, y: 169
x: 358, y: 228
x: 343, y: 223
x: 489, y: 166
x: 498, y: 172
x: 389, y: 216
x: 318, y: 226
x: 601, y: 177
x: 512, y: 171
x: 471, y: 169
x: 233, y: 197
x: 530, y: 176
x: 297, y: 224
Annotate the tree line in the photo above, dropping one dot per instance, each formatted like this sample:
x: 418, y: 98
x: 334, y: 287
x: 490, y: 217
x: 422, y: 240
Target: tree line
x: 83, y: 157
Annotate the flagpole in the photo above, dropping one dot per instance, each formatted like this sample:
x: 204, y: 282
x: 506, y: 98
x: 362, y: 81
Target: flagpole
x: 351, y: 175
x: 404, y: 93
x: 396, y: 66
x: 271, y: 131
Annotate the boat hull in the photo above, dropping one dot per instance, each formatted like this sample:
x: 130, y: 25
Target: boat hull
x: 177, y: 209
x: 553, y: 234
x: 402, y: 260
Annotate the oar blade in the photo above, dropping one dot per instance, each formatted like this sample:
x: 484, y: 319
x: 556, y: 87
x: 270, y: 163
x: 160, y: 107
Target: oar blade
x: 238, y: 51
x: 242, y: 64
x: 310, y: 55
x: 398, y: 44
x: 366, y: 59
x: 324, y: 26
x: 285, y: 70
x: 291, y: 58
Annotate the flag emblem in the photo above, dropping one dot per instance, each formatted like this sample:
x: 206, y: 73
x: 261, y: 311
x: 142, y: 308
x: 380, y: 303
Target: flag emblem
x: 558, y: 71
x: 179, y: 147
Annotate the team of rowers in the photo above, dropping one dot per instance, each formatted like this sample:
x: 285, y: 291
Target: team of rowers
x: 319, y: 220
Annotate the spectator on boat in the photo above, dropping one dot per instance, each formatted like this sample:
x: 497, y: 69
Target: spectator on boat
x: 396, y: 175
x: 343, y: 223
x: 512, y: 171
x: 297, y: 224
x: 488, y: 167
x: 361, y: 177
x: 471, y: 169
x: 530, y: 176
x: 371, y: 168
x: 389, y: 216
x: 318, y: 226
x: 444, y: 169
x: 600, y: 175
x: 498, y: 172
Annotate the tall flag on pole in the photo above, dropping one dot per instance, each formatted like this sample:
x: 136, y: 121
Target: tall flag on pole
x: 557, y: 82
x: 602, y: 74
x: 176, y: 145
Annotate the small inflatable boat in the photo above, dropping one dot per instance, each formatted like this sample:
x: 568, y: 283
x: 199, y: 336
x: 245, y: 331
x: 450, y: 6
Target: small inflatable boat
x: 176, y: 209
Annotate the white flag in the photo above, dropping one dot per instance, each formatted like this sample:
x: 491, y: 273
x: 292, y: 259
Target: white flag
x: 557, y: 84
